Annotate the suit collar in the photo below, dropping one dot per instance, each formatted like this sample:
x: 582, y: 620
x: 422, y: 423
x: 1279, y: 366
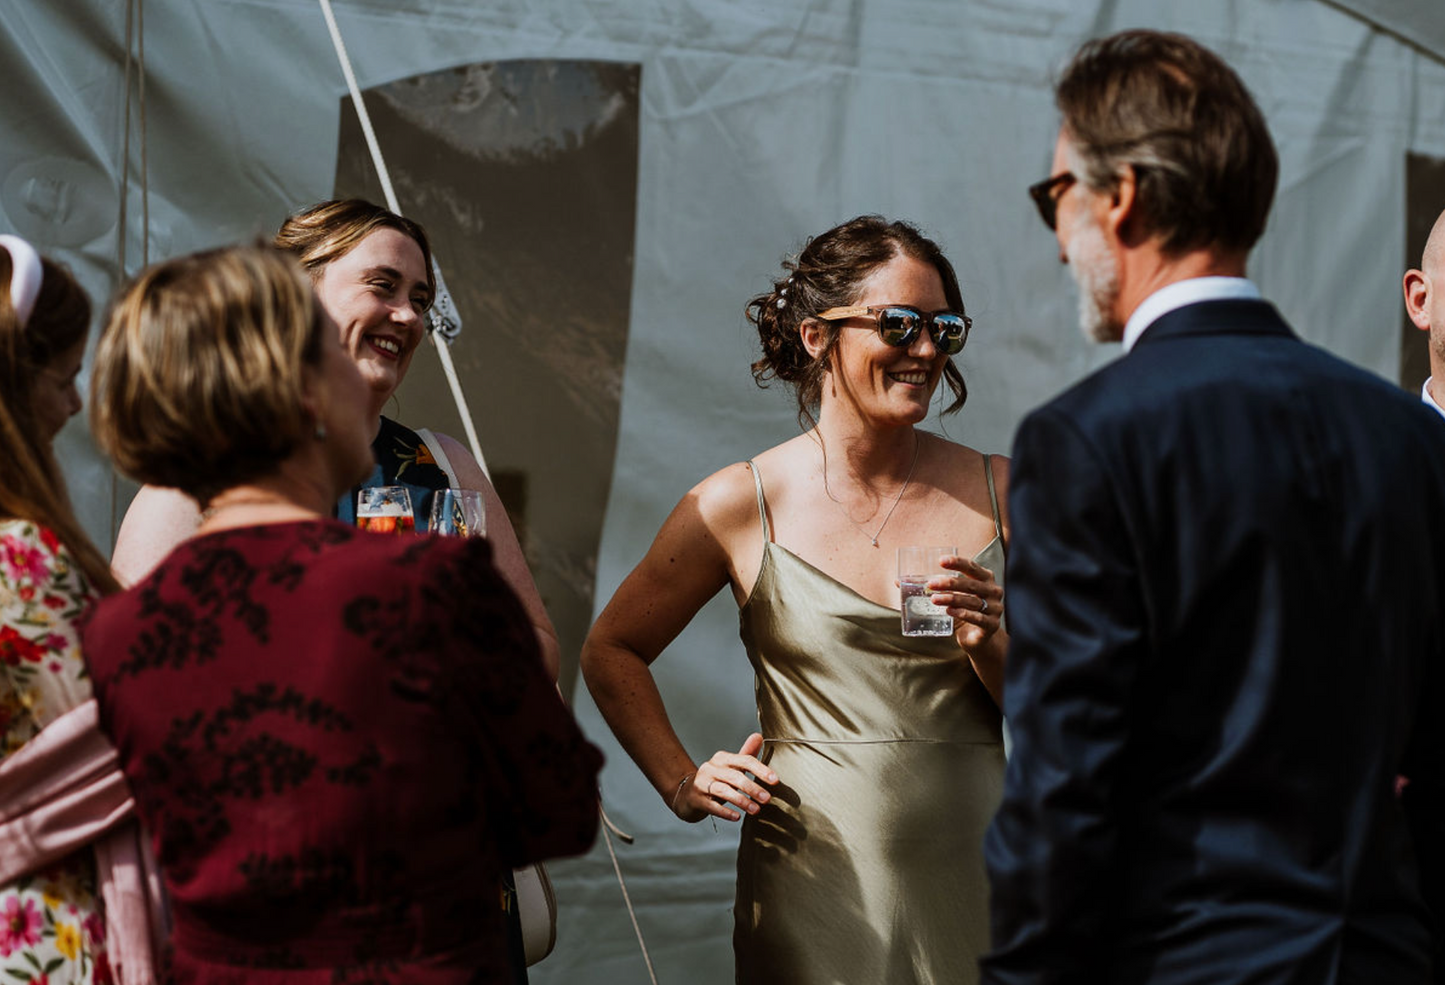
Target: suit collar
x: 1225, y: 317
x: 1191, y: 290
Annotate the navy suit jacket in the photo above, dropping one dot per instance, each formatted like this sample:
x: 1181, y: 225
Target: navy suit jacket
x: 1226, y: 600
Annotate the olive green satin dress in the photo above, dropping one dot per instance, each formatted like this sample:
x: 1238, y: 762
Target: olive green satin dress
x: 866, y: 866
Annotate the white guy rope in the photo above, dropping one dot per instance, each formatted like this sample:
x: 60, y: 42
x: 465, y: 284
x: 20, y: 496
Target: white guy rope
x: 446, y: 358
x: 607, y: 828
x: 443, y: 352
x: 134, y: 23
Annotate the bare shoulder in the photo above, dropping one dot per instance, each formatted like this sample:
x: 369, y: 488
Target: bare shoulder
x: 783, y: 468
x: 157, y: 520
x: 966, y: 471
x: 732, y: 492
x: 962, y: 460
x: 726, y: 497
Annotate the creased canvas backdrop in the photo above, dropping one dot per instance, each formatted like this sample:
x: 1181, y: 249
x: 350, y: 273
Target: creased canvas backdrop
x: 524, y: 174
x: 751, y: 125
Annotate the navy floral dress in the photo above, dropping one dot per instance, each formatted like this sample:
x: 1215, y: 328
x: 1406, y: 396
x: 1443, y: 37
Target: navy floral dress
x: 402, y: 459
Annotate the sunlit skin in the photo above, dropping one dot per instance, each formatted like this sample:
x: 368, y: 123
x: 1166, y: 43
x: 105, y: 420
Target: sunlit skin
x: 378, y: 294
x: 55, y: 398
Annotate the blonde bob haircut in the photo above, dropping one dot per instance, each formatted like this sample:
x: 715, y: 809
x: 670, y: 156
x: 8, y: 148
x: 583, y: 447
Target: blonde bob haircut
x: 200, y: 372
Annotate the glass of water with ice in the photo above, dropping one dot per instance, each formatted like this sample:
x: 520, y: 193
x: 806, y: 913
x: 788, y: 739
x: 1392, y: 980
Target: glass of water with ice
x: 916, y: 565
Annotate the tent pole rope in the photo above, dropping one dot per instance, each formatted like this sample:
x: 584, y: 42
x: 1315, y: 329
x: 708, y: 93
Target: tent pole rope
x: 120, y: 234
x: 607, y: 828
x: 134, y: 24
x: 125, y: 145
x: 145, y: 185
x: 445, y: 354
x: 442, y: 349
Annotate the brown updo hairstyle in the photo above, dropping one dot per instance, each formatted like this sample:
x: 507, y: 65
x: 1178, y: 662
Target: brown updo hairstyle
x: 829, y: 273
x: 199, y: 376
x: 327, y: 231
x: 31, y: 485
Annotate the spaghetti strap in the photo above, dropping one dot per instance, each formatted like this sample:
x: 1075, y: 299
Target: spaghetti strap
x: 992, y: 496
x: 762, y: 503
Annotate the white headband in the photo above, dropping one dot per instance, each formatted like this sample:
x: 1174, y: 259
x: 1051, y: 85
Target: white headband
x: 25, y: 275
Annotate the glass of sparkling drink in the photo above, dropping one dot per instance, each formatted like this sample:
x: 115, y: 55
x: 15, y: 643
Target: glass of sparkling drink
x: 916, y: 565
x: 458, y: 513
x: 385, y: 510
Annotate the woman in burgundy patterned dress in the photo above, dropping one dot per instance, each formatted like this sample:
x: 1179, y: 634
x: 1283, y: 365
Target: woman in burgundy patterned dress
x: 338, y: 739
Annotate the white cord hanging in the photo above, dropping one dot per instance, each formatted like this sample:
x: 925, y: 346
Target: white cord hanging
x: 134, y: 25
x: 607, y: 829
x: 444, y: 322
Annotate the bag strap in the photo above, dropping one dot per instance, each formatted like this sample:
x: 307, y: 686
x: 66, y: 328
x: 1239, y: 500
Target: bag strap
x: 435, y: 447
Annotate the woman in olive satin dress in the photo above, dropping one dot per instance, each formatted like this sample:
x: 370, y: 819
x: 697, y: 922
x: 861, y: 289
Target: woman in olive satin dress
x: 879, y: 760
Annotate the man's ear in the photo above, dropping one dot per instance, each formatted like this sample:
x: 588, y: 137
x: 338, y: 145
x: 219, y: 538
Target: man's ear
x: 1121, y: 216
x: 1417, y: 298
x: 814, y: 334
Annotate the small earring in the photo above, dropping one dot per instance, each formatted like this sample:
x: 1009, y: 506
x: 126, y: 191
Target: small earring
x: 320, y: 432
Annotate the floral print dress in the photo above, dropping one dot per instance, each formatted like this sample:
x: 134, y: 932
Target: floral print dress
x: 51, y: 928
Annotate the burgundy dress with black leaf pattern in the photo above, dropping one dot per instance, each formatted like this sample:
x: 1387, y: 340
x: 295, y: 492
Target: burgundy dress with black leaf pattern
x: 338, y: 741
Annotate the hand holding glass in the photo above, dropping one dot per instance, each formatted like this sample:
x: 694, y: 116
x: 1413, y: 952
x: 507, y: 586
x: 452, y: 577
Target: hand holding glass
x: 458, y: 513
x: 916, y: 566
x: 385, y: 510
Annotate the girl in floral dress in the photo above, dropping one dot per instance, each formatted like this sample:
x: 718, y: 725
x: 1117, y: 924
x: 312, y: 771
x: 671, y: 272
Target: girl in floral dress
x: 51, y: 925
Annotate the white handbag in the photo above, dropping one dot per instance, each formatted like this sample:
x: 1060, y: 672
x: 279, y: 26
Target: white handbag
x: 537, y: 911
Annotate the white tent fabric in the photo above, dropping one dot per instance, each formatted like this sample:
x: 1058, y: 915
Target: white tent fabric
x: 762, y: 121
x: 1412, y: 21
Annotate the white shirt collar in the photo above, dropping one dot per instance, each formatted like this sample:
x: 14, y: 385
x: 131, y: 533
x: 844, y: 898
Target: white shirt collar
x: 1183, y: 292
x: 1429, y: 400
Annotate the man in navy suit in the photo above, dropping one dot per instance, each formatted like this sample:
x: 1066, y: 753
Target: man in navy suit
x: 1226, y: 589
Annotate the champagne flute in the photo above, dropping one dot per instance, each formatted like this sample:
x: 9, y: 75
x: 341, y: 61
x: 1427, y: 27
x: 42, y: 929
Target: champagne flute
x: 385, y: 510
x: 458, y: 513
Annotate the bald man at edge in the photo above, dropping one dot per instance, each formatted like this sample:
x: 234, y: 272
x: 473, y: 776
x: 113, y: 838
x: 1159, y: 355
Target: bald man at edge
x: 1425, y: 303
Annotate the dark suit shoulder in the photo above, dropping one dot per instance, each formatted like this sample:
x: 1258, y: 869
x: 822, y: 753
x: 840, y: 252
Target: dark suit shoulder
x: 1227, y: 353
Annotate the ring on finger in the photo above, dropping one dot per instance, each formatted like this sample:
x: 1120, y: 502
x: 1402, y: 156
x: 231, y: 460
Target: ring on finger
x: 983, y: 606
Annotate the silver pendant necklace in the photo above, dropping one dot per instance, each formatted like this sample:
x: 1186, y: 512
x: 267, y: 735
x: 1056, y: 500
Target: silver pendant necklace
x: 873, y: 537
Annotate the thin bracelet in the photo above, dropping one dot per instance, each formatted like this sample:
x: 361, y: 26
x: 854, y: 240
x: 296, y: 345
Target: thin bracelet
x: 678, y: 793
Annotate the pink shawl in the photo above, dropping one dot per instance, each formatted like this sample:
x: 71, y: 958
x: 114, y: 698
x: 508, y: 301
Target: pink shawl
x: 63, y: 791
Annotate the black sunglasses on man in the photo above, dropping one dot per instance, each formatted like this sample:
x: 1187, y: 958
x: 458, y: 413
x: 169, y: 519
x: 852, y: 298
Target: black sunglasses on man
x: 1042, y: 193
